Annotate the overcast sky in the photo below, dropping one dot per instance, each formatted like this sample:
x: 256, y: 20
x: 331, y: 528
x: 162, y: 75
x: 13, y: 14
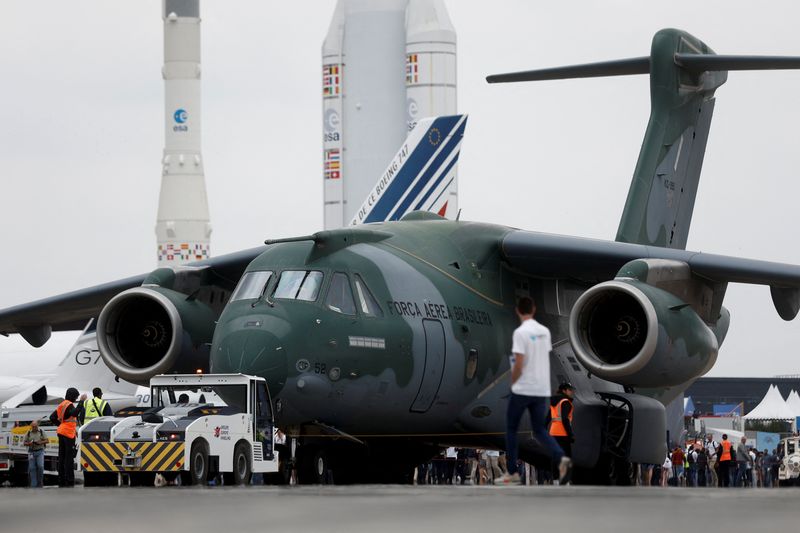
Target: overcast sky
x: 81, y: 136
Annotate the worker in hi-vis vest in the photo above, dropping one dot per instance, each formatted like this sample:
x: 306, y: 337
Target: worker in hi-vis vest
x: 727, y: 456
x: 66, y: 418
x: 560, y: 417
x: 95, y: 407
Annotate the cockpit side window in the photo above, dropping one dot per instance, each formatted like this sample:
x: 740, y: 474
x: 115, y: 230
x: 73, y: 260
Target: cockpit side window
x: 299, y: 285
x: 251, y: 286
x: 366, y: 302
x: 340, y: 296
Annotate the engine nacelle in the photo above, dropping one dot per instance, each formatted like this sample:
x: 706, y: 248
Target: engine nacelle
x: 632, y: 333
x: 146, y: 331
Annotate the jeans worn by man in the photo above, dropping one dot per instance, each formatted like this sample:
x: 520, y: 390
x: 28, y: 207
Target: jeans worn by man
x: 537, y: 407
x: 530, y: 391
x: 741, y: 474
x: 36, y: 468
x: 35, y: 440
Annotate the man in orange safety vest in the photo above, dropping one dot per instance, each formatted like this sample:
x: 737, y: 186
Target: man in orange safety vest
x: 66, y: 418
x: 560, y: 417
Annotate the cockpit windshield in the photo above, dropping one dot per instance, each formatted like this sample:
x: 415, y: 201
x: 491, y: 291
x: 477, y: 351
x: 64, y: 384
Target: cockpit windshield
x: 299, y: 285
x: 251, y: 286
x: 340, y: 297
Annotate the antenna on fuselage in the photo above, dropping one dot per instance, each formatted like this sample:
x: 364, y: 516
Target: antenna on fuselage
x: 313, y: 238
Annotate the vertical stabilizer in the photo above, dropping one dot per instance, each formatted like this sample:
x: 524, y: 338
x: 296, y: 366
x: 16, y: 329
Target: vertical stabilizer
x: 684, y: 73
x: 661, y: 198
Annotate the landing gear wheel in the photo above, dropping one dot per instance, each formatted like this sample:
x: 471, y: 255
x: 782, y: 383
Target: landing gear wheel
x: 198, y: 464
x: 242, y: 471
x: 321, y: 467
x: 313, y: 466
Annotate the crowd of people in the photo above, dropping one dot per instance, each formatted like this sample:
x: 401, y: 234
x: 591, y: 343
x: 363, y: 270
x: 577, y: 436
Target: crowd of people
x: 469, y: 466
x: 708, y: 463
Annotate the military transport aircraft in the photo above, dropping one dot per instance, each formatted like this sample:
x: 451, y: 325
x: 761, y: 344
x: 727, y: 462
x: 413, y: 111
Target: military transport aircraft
x: 383, y: 342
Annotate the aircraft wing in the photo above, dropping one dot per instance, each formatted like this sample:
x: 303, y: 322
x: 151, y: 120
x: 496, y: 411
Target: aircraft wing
x: 592, y: 260
x: 36, y: 320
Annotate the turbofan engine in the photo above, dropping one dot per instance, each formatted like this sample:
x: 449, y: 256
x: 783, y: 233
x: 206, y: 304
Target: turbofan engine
x: 633, y: 333
x: 151, y: 330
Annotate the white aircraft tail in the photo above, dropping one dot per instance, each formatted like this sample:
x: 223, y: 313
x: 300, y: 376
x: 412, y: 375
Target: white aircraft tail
x: 82, y: 368
x: 420, y: 175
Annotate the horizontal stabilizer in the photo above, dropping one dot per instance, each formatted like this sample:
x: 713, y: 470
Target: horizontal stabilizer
x: 641, y: 65
x: 786, y: 300
x: 618, y: 67
x: 713, y: 62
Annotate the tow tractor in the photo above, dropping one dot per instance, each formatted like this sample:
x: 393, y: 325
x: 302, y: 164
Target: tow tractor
x: 789, y: 467
x: 199, y: 426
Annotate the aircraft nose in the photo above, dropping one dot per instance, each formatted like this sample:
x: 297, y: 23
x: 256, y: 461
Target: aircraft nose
x: 251, y: 349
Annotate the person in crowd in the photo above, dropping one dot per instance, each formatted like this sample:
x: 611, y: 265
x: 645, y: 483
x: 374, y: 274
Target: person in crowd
x: 36, y: 441
x: 449, y: 467
x: 726, y: 455
x: 666, y: 471
x: 702, y: 467
x: 751, y: 479
x: 66, y: 417
x: 95, y: 407
x: 776, y: 462
x: 742, y: 460
x: 691, y: 466
x: 493, y: 470
x: 647, y: 474
x: 678, y: 458
x: 530, y: 391
x: 559, y: 419
x: 711, y: 452
x: 766, y: 468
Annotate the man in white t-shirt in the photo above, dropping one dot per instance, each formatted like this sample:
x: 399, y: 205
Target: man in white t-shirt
x: 530, y: 389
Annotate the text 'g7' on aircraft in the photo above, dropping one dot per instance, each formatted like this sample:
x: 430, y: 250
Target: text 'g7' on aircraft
x: 383, y: 342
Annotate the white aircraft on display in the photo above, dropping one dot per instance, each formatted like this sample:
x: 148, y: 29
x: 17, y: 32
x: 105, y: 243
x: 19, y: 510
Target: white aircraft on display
x: 81, y: 368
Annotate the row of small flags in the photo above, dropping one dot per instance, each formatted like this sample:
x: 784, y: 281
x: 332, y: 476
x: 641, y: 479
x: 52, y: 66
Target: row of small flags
x: 412, y: 69
x: 182, y: 252
x: 333, y: 164
x: 332, y: 78
x: 331, y: 85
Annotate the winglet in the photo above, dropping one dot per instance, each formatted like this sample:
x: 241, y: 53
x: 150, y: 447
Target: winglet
x: 786, y: 300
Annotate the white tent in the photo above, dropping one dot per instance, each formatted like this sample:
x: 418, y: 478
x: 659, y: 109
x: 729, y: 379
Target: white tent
x: 793, y: 403
x: 772, y: 407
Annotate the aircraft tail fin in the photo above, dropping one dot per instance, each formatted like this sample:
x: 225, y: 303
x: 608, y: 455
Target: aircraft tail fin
x: 420, y: 175
x: 684, y: 74
x: 82, y: 368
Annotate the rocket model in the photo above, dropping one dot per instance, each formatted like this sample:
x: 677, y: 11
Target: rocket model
x: 385, y: 65
x: 183, y: 227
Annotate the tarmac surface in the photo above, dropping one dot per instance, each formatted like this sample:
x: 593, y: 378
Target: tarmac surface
x: 484, y: 509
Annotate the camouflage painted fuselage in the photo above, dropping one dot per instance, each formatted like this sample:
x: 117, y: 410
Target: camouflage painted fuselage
x: 435, y: 363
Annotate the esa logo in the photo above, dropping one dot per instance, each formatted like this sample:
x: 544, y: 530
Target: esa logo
x: 331, y: 123
x: 180, y: 117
